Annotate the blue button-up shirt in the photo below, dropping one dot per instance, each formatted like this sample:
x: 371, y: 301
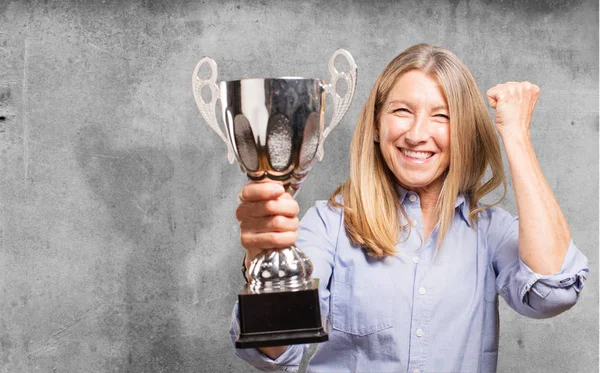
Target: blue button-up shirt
x: 416, y: 311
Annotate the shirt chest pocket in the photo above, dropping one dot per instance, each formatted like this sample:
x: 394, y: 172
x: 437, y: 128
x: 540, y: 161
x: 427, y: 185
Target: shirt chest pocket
x: 361, y: 298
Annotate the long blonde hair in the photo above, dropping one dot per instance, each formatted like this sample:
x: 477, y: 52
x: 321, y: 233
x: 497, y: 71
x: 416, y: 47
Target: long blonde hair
x: 369, y: 197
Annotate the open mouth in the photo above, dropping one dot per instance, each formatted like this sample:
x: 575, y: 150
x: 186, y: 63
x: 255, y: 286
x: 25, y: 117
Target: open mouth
x: 416, y: 155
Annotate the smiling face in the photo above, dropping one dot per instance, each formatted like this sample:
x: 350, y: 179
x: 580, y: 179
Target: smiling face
x: 414, y: 131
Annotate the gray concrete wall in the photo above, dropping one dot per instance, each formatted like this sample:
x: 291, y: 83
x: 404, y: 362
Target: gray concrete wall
x: 119, y: 247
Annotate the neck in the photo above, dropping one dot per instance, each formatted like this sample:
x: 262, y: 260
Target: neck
x: 428, y: 201
x: 429, y: 195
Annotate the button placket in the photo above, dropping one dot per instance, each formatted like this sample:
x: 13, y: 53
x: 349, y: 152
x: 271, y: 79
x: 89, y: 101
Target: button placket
x: 421, y: 315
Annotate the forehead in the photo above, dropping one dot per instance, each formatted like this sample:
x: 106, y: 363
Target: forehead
x: 417, y: 87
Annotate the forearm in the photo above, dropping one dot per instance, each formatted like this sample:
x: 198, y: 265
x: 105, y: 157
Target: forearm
x: 544, y: 234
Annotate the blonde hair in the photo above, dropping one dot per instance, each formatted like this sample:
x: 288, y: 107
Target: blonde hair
x: 369, y: 197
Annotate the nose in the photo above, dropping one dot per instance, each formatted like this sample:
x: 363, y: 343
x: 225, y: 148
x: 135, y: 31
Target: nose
x: 419, y: 131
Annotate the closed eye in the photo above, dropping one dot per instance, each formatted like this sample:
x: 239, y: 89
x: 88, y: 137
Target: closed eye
x: 402, y: 109
x: 443, y: 116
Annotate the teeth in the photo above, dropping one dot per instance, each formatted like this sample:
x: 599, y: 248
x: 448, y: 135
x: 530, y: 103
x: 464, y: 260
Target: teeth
x: 418, y: 155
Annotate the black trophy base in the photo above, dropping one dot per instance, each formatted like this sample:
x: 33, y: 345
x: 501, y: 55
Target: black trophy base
x: 280, y: 318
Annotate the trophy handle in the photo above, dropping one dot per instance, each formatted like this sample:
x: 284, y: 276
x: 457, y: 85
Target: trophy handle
x: 340, y: 104
x: 208, y: 109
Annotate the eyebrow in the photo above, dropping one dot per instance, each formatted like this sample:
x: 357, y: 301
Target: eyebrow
x: 439, y: 107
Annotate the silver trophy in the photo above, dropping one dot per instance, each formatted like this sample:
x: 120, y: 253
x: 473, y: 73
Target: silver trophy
x: 274, y: 128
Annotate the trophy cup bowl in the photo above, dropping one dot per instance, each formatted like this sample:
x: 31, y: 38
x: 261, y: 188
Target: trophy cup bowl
x: 274, y: 128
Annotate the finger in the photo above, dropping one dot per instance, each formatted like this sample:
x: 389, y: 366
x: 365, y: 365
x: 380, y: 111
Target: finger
x: 491, y: 97
x: 286, y: 196
x: 270, y: 240
x: 276, y: 223
x: 260, y: 191
x: 281, y: 206
x: 534, y: 89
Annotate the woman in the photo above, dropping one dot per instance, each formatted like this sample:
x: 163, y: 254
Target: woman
x: 410, y: 261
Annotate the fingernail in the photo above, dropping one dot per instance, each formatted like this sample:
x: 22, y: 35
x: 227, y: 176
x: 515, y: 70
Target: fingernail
x: 277, y: 188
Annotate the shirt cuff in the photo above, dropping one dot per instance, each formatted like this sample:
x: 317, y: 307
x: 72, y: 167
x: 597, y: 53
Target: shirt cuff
x: 572, y: 273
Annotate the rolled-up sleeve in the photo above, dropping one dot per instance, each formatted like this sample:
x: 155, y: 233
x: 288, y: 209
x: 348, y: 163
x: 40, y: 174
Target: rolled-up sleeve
x: 317, y: 238
x: 528, y: 292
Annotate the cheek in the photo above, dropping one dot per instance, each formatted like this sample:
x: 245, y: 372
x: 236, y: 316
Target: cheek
x: 391, y: 127
x: 442, y: 137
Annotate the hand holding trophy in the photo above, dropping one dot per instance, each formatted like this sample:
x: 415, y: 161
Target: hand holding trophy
x: 274, y: 128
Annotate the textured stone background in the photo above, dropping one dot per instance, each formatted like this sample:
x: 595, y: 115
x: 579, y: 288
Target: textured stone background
x: 119, y: 247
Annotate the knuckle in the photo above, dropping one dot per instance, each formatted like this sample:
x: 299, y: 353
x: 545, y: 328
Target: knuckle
x: 245, y: 240
x: 270, y: 206
x: 293, y: 237
x: 239, y: 214
x: 245, y: 191
x: 245, y: 225
x: 277, y: 222
x: 274, y: 238
x: 295, y: 207
x: 281, y: 240
x: 285, y: 196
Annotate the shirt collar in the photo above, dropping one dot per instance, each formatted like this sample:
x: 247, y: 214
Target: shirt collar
x: 461, y: 203
x: 463, y: 206
x: 402, y: 193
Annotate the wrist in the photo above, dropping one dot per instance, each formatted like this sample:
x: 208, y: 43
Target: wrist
x: 515, y: 137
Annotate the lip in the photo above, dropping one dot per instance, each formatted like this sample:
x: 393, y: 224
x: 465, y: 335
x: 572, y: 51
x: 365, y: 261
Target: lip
x: 416, y: 160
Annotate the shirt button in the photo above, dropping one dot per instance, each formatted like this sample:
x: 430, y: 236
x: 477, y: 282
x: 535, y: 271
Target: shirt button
x: 412, y: 198
x: 422, y: 290
x: 416, y: 371
x: 415, y: 259
x: 419, y: 333
x: 413, y: 223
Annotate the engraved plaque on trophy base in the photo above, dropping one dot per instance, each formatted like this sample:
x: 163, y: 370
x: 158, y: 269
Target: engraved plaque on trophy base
x: 280, y: 318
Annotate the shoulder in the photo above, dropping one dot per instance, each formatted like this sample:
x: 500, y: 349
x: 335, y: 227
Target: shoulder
x: 495, y: 215
x: 321, y: 222
x: 324, y: 211
x: 496, y: 223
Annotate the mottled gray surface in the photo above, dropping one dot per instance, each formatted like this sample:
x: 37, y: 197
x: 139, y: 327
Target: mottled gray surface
x: 119, y: 247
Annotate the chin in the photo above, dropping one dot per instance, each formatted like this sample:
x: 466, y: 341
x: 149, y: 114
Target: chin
x: 419, y: 183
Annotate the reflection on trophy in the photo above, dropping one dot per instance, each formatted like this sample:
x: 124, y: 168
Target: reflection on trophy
x: 274, y: 128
